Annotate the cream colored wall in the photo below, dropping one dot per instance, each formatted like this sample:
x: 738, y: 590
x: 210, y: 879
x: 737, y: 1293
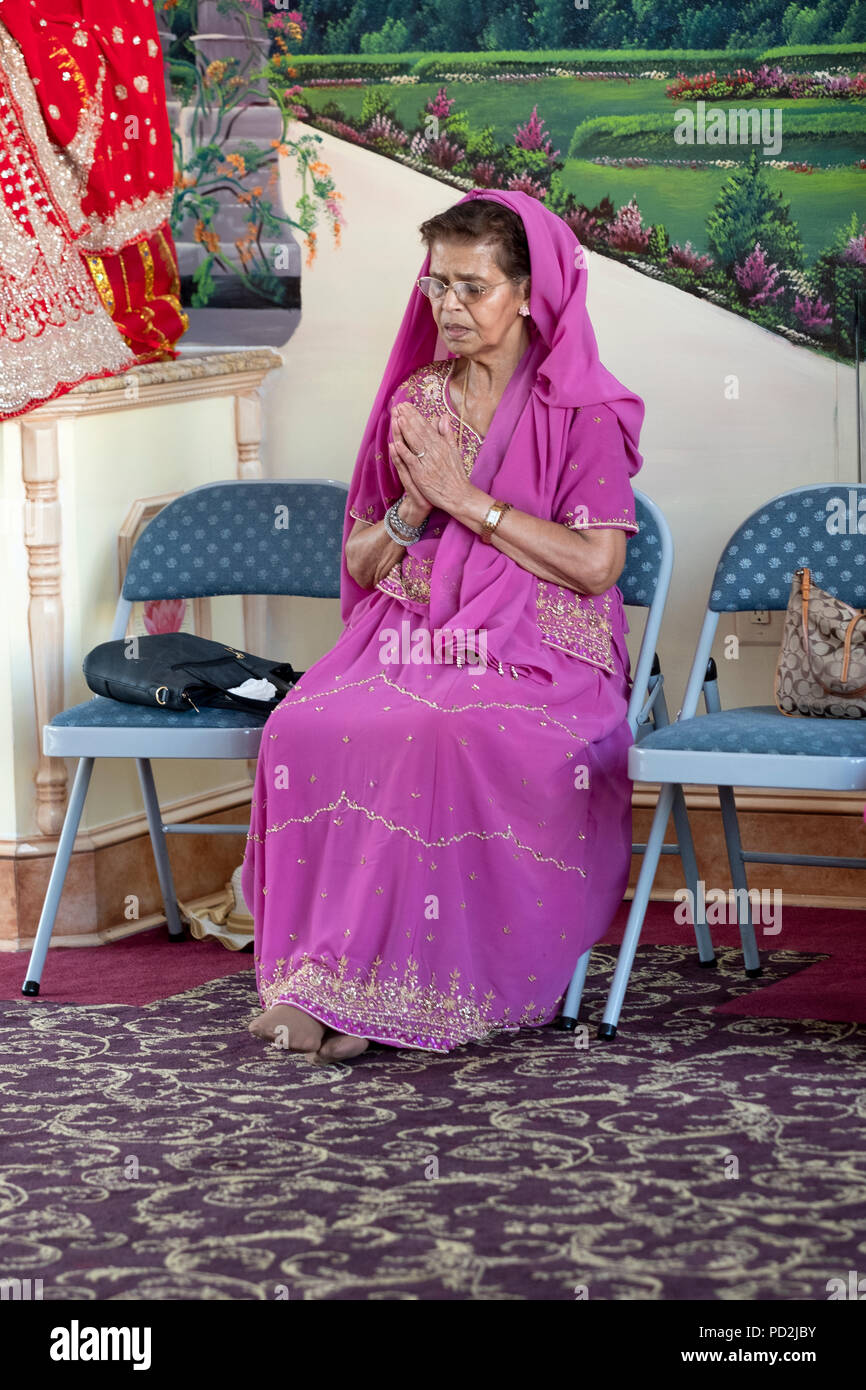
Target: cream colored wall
x: 709, y: 460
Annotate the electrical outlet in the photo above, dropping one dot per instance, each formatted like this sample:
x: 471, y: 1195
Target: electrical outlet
x: 760, y: 628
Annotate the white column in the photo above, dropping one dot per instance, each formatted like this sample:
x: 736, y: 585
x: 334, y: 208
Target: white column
x: 248, y: 435
x: 42, y: 537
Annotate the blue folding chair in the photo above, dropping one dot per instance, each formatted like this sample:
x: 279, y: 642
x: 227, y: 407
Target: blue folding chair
x: 256, y: 536
x: 644, y: 583
x: 755, y: 746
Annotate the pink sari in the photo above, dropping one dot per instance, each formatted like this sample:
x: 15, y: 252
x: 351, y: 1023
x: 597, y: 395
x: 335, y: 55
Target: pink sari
x: 433, y: 843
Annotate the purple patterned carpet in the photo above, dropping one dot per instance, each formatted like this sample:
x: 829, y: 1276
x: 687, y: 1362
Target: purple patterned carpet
x: 162, y: 1153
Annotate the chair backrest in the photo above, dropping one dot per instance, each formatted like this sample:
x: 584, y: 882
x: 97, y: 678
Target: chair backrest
x: 644, y: 583
x: 285, y: 536
x: 822, y: 528
x: 645, y: 554
x: 246, y: 536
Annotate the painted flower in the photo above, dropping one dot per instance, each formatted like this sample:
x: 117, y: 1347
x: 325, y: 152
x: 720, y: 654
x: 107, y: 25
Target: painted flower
x: 205, y: 236
x: 164, y: 614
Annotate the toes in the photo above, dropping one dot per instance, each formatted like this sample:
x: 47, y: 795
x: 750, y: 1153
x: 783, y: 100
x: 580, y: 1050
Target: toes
x: 342, y: 1048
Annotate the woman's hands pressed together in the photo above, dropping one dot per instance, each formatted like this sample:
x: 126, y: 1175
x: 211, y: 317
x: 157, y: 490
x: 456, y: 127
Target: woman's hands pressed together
x: 586, y: 561
x: 437, y: 478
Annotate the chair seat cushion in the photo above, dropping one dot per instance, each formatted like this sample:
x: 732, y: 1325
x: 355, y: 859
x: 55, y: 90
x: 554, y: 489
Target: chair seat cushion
x: 101, y: 712
x: 762, y: 729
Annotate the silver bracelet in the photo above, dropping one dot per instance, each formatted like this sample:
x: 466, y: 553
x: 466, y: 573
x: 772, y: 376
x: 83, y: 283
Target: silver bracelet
x: 403, y: 526
x: 399, y: 530
x: 399, y: 540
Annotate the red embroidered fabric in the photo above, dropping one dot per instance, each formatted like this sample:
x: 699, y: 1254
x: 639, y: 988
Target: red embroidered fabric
x: 86, y: 187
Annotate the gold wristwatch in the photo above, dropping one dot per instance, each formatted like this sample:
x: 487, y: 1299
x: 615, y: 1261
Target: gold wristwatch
x: 494, y: 515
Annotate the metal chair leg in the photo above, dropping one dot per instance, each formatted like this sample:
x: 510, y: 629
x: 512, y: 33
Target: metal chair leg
x: 751, y: 958
x: 625, y: 960
x: 706, y: 954
x: 567, y: 1021
x: 160, y: 849
x: 65, y: 846
x: 685, y: 843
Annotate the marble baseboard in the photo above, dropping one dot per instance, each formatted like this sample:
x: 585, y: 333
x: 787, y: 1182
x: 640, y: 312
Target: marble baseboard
x: 770, y: 832
x: 101, y: 883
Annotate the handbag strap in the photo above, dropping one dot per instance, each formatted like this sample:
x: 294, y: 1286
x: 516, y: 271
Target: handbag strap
x: 859, y: 614
x: 192, y: 668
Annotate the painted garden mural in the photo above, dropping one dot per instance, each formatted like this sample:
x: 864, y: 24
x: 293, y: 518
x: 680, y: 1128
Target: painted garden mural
x: 720, y: 149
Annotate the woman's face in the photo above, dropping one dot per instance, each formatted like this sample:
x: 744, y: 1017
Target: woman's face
x: 484, y: 324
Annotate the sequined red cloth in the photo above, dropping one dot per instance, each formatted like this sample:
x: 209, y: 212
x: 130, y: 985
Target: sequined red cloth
x: 88, y: 270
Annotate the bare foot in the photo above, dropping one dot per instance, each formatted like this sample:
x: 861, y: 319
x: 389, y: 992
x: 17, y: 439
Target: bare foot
x: 290, y: 1028
x: 341, y: 1047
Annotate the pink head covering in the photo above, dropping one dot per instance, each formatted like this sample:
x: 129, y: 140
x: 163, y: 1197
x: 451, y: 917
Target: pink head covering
x: 524, y: 451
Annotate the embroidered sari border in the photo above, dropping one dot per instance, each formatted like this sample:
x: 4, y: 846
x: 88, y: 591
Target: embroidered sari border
x: 392, y: 1010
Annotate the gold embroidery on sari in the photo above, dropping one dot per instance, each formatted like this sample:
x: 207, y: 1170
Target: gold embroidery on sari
x: 507, y: 835
x: 577, y: 519
x: 96, y: 265
x: 169, y: 262
x: 122, y: 264
x: 425, y: 389
x: 64, y: 183
x: 82, y: 146
x: 133, y: 220
x: 409, y: 579
x: 389, y: 1007
x: 292, y: 699
x: 369, y: 515
x: 67, y: 64
x: 572, y: 623
x: 147, y: 263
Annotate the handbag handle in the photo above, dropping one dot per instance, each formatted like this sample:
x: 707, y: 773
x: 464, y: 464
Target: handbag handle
x: 859, y: 614
x: 192, y: 668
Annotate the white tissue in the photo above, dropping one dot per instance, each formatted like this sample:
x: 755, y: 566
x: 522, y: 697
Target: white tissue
x: 255, y: 689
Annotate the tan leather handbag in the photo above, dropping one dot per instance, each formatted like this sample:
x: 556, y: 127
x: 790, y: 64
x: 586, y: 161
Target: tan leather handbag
x: 822, y: 663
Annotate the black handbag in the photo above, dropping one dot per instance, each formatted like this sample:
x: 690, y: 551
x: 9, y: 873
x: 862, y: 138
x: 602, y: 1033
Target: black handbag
x: 180, y: 671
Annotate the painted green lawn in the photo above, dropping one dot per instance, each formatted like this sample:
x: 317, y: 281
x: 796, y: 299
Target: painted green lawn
x: 810, y: 132
x: 563, y: 103
x: 681, y: 198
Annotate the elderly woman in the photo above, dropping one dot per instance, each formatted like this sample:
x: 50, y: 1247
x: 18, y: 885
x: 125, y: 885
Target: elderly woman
x: 441, y: 819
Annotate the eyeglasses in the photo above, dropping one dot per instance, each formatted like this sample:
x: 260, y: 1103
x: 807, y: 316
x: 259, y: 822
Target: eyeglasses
x: 466, y: 291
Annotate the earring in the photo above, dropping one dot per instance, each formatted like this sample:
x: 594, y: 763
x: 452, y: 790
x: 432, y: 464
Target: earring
x: 524, y: 309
